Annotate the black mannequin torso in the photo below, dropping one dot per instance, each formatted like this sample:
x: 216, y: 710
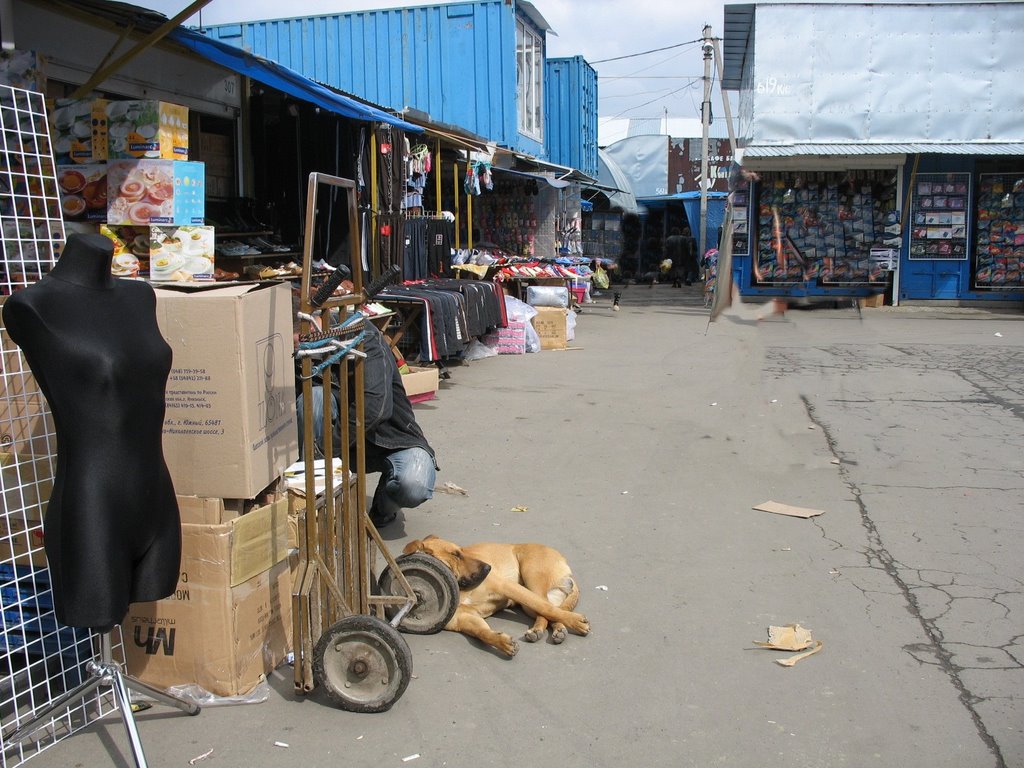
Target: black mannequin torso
x: 111, y: 528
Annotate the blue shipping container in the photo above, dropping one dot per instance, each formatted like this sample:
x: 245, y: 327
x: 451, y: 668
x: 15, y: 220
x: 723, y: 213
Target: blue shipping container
x: 455, y: 62
x: 571, y: 113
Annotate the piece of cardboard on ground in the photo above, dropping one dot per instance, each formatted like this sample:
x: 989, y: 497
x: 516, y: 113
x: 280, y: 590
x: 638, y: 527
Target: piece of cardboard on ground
x: 778, y: 508
x: 791, y: 637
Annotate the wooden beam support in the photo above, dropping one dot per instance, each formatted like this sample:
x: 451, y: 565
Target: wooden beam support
x: 154, y: 37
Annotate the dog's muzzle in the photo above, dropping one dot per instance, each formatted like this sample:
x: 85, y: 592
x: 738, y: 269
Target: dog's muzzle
x: 474, y: 579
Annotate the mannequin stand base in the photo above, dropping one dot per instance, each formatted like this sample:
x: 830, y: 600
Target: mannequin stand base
x: 107, y: 672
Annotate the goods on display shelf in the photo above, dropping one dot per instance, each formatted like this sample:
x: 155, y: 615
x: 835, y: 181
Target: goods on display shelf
x: 739, y: 201
x: 939, y: 205
x: 1000, y: 237
x: 508, y: 216
x: 822, y: 225
x: 603, y: 238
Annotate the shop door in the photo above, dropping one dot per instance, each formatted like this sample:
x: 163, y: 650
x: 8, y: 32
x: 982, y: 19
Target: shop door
x: 931, y: 280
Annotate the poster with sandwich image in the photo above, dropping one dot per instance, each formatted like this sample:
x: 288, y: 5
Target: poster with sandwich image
x: 162, y: 254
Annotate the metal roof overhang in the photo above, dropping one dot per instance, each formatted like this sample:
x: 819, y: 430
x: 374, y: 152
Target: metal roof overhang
x: 282, y: 78
x: 737, y: 43
x: 556, y: 183
x: 509, y: 160
x: 535, y: 16
x: 893, y: 148
x: 844, y: 156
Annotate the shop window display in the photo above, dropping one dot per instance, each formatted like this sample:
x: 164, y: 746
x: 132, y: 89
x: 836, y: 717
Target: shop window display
x: 939, y: 206
x: 1000, y: 236
x: 821, y: 226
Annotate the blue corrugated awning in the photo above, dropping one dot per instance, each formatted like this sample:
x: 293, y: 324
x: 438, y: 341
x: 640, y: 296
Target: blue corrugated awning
x: 283, y: 79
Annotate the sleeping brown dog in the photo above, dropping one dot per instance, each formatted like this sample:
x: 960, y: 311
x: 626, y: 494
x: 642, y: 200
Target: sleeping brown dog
x: 493, y: 577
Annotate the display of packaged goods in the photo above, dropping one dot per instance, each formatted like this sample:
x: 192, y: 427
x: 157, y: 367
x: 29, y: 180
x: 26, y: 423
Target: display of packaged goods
x: 83, y: 191
x: 78, y: 130
x: 174, y: 253
x: 155, y: 192
x: 147, y: 129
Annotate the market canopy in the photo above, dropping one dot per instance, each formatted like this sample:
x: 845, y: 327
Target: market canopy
x: 614, y: 183
x: 286, y: 80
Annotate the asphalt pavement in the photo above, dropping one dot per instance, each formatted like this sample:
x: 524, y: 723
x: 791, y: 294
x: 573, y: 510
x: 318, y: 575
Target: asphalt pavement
x: 640, y: 453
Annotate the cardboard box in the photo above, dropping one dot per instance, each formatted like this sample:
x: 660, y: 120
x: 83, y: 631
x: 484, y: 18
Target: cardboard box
x: 147, y: 129
x: 234, y: 551
x: 874, y: 300
x: 551, y: 324
x: 224, y: 639
x: 83, y: 191
x: 155, y: 192
x: 230, y: 427
x: 420, y: 383
x: 78, y: 131
x: 162, y: 254
x: 198, y: 510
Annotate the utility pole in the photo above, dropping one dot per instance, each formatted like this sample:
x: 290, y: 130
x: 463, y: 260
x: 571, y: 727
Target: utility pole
x: 705, y: 119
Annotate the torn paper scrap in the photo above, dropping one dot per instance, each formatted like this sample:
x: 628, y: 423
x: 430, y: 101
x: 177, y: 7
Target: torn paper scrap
x: 779, y: 508
x: 452, y: 488
x: 791, y: 637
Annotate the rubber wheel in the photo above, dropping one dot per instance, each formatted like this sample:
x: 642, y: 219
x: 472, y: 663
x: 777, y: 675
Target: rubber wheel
x: 363, y: 663
x: 435, y: 587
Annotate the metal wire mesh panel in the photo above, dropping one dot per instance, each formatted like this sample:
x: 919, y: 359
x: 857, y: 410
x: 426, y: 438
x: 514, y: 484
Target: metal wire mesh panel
x: 39, y: 659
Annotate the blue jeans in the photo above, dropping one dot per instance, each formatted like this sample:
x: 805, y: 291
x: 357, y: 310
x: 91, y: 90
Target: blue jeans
x: 406, y: 481
x: 407, y: 476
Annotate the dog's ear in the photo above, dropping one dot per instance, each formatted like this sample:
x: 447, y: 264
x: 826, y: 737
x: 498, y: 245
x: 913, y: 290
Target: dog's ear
x: 413, y: 546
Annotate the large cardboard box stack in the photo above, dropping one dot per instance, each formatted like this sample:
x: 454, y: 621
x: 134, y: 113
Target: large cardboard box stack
x: 228, y: 623
x: 230, y: 426
x: 551, y: 324
x: 125, y: 164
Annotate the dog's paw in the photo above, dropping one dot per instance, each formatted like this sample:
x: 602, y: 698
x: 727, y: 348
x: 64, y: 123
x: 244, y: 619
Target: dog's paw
x: 558, y: 634
x: 580, y: 625
x: 532, y: 636
x: 508, y: 646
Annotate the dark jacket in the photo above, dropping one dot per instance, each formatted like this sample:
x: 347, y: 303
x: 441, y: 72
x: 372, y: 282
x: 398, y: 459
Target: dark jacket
x: 390, y: 423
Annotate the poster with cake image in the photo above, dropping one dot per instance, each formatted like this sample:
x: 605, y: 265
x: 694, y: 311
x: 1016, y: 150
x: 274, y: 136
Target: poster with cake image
x: 162, y: 254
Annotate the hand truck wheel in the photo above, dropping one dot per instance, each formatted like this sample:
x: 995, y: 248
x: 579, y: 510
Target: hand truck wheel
x: 437, y: 593
x: 363, y: 663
